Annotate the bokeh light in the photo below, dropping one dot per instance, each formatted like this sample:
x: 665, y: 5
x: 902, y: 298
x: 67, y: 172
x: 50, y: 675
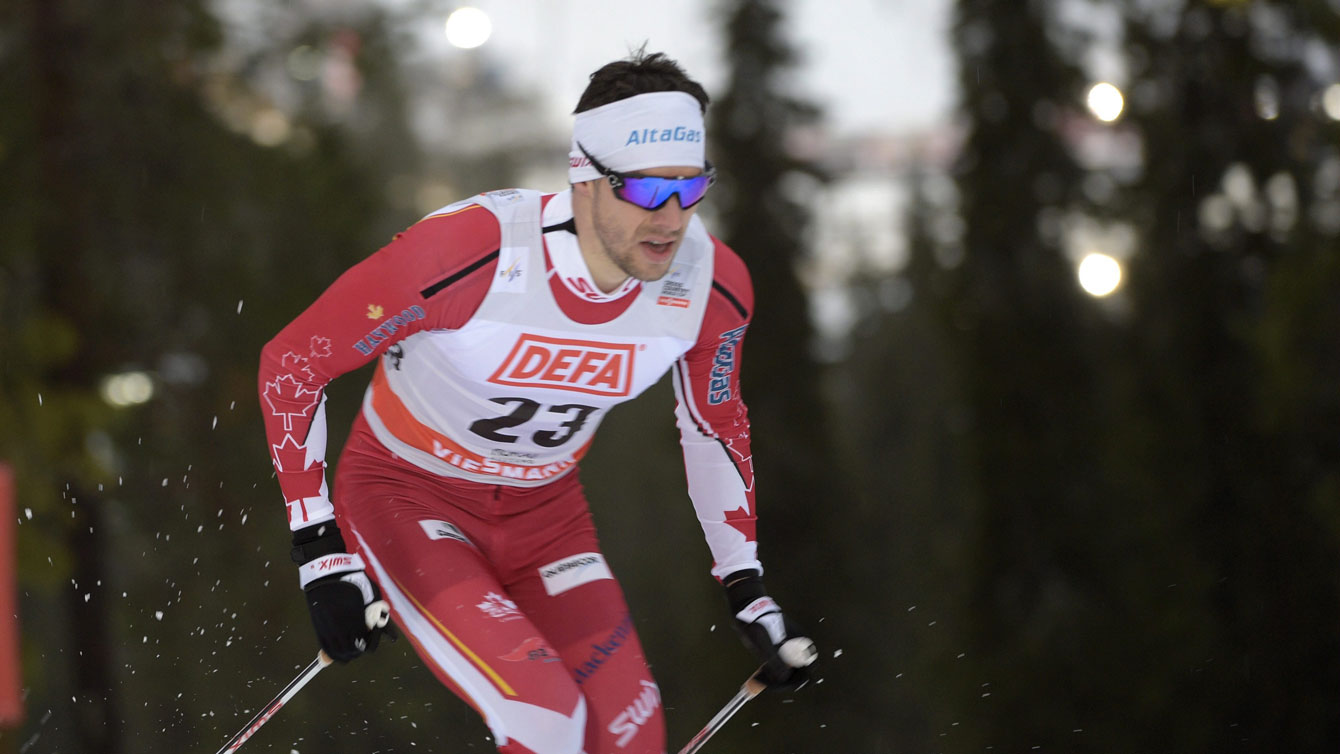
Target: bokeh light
x: 1330, y: 101
x: 468, y: 28
x: 127, y: 389
x: 1099, y: 274
x: 1105, y: 102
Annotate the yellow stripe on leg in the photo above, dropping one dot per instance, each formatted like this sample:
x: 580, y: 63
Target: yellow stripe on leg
x: 460, y: 645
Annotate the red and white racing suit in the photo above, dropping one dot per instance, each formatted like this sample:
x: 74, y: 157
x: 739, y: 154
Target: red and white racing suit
x: 498, y: 359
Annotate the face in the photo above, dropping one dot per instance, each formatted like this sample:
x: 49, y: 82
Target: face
x: 630, y: 241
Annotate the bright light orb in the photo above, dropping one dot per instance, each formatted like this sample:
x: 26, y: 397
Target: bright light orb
x: 1330, y: 101
x: 127, y: 389
x: 468, y: 28
x: 1099, y: 274
x: 1105, y: 102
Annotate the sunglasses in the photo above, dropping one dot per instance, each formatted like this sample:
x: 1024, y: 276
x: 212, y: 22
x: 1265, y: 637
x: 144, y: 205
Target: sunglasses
x: 652, y: 192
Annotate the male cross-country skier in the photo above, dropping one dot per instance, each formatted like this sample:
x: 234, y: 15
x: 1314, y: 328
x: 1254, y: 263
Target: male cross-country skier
x: 505, y: 327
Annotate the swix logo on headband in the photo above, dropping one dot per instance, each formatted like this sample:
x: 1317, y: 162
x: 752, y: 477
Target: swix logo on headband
x: 583, y: 366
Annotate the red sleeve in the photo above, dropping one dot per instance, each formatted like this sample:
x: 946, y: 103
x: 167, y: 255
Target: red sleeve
x: 714, y: 423
x: 432, y: 276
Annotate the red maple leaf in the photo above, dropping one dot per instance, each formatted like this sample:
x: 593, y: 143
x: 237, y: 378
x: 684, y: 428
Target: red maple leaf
x: 744, y: 522
x: 743, y: 463
x: 288, y: 455
x: 298, y: 480
x: 297, y: 512
x: 301, y: 485
x: 320, y: 347
x: 299, y: 365
x: 289, y: 398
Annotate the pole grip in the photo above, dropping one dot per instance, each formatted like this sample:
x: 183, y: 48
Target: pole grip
x: 754, y: 686
x: 377, y: 614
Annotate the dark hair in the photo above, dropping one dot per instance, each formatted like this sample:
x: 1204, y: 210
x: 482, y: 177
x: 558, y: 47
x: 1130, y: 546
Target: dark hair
x: 639, y: 73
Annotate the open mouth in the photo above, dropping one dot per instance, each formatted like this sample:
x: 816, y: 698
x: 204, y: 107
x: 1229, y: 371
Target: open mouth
x: 658, y: 248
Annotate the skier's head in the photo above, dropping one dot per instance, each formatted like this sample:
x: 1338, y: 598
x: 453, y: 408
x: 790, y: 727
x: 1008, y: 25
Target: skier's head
x: 640, y: 112
x: 639, y: 73
x: 637, y: 165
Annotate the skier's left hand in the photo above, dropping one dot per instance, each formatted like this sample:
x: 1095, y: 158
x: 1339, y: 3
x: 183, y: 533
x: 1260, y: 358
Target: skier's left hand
x: 765, y: 629
x: 339, y: 593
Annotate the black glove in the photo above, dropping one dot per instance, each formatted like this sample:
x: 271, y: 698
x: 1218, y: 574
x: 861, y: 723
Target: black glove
x: 765, y: 629
x: 338, y: 592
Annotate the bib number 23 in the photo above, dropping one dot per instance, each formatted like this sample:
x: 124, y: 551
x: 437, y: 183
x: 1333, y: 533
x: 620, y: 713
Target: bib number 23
x: 523, y: 410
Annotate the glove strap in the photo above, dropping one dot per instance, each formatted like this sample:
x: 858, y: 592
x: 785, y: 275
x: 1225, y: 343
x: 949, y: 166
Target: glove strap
x: 328, y: 565
x: 757, y: 609
x: 742, y: 589
x: 764, y: 612
x: 311, y: 542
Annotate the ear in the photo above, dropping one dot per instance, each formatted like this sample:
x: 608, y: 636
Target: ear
x: 584, y: 189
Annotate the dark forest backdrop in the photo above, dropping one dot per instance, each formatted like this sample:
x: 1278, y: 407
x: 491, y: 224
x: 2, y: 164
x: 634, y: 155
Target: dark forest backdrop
x: 1016, y: 518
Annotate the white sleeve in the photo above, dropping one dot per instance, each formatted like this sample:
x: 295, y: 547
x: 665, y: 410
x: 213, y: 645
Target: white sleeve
x: 720, y: 471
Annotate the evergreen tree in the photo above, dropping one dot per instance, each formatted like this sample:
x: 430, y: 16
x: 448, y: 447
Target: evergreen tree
x: 170, y: 214
x: 1024, y: 348
x: 1233, y: 379
x: 902, y: 407
x: 762, y: 213
x: 1146, y: 524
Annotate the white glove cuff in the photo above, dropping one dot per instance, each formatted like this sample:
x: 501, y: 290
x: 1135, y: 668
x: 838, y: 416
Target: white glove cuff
x: 757, y: 609
x: 360, y: 580
x: 764, y: 612
x: 328, y: 565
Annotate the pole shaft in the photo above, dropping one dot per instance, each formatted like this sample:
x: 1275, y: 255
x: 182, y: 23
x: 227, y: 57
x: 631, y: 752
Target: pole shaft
x: 268, y: 711
x: 749, y: 690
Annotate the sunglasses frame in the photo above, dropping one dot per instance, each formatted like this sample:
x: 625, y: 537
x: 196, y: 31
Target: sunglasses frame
x: 617, y: 179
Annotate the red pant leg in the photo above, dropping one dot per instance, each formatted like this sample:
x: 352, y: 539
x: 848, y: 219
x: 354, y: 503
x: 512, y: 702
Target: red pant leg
x: 430, y: 555
x: 568, y: 591
x: 505, y: 595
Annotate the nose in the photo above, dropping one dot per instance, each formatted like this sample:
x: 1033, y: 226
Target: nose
x: 669, y: 216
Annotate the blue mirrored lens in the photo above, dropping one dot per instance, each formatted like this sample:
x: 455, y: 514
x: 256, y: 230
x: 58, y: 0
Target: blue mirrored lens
x: 650, y: 193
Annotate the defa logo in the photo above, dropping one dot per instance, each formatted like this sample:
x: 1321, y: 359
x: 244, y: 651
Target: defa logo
x: 582, y: 366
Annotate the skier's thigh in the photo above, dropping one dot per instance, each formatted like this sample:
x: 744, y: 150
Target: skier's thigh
x: 462, y: 623
x: 592, y: 630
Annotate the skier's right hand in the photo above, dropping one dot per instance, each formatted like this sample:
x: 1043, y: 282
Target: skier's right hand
x: 338, y: 592
x: 765, y: 630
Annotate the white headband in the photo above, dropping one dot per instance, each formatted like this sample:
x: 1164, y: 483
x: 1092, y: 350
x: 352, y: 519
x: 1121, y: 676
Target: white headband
x: 660, y: 129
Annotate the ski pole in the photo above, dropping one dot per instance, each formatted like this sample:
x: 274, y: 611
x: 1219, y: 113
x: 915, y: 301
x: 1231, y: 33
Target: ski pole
x: 797, y: 653
x: 377, y: 614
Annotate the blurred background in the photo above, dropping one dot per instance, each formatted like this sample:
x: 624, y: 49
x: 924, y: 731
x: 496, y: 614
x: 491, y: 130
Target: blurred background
x: 1044, y: 374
